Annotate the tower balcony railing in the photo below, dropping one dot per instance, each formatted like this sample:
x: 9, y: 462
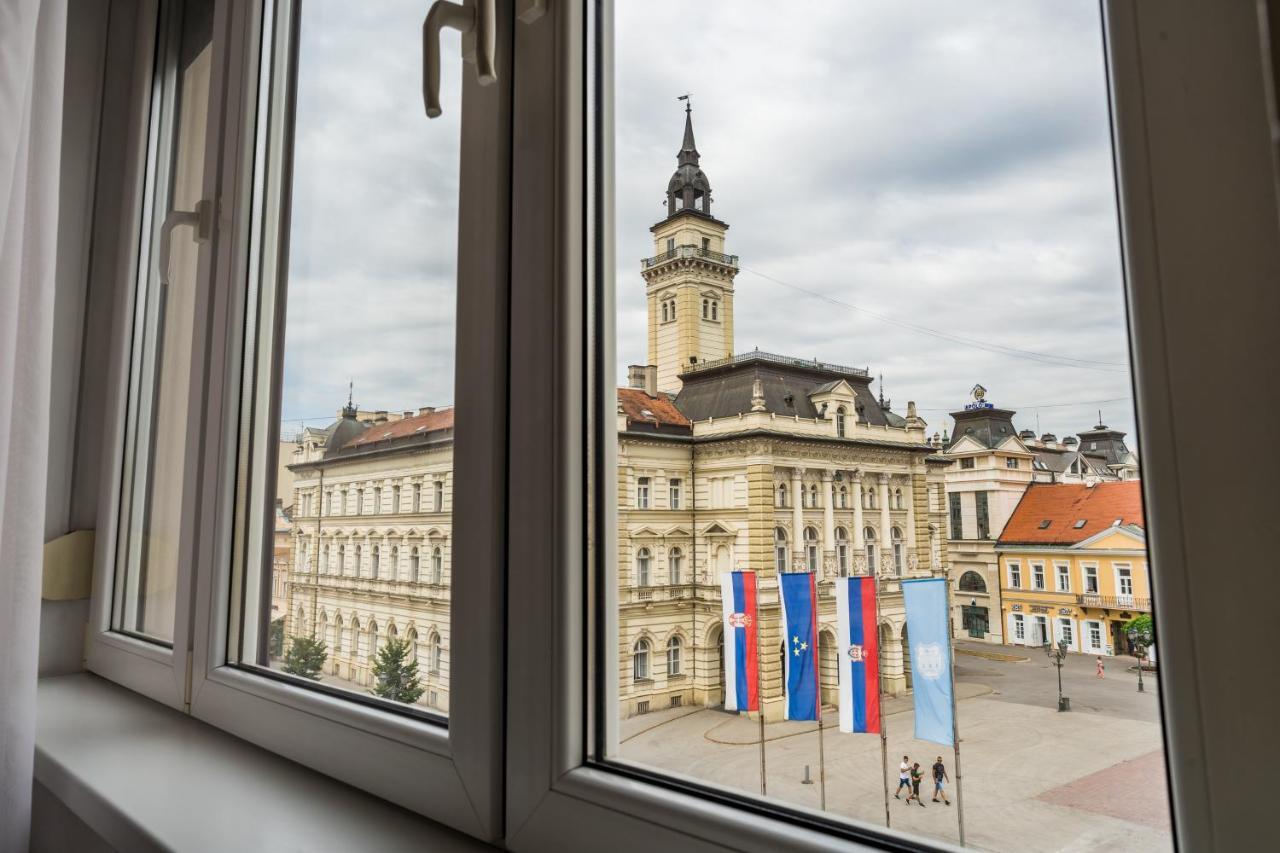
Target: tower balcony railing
x: 775, y: 358
x: 690, y: 252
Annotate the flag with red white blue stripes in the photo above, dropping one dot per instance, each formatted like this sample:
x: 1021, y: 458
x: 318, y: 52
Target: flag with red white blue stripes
x: 741, y: 659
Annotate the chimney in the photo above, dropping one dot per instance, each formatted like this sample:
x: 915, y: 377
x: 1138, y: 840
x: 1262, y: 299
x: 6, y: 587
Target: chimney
x: 1070, y: 441
x: 651, y: 380
x: 636, y: 376
x: 1049, y: 440
x: 408, y: 414
x: 426, y: 410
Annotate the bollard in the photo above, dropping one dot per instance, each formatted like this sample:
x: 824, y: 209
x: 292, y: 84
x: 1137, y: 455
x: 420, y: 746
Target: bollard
x: 806, y: 780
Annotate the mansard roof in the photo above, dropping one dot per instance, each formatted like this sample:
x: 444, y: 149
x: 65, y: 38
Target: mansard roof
x: 989, y: 427
x: 723, y: 388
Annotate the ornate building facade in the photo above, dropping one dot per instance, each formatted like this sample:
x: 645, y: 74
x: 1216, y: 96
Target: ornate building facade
x: 750, y: 461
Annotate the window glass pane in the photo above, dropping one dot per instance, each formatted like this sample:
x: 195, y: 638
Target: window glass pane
x: 358, y: 489
x: 854, y: 283
x: 169, y: 305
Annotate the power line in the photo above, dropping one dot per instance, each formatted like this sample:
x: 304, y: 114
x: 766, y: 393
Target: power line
x: 999, y: 349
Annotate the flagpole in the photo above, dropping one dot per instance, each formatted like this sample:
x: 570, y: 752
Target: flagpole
x: 884, y: 729
x: 955, y: 718
x: 760, y: 686
x: 817, y: 669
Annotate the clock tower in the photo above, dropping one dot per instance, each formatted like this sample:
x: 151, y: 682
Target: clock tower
x: 689, y: 279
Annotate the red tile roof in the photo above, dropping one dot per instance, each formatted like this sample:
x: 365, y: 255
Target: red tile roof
x: 640, y: 408
x: 1064, y: 504
x: 430, y: 422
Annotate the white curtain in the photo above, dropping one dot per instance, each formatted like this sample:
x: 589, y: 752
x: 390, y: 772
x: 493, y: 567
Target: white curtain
x: 32, y: 48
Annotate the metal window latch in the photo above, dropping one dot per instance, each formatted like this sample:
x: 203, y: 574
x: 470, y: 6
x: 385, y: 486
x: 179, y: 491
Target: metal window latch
x: 201, y: 222
x: 475, y: 19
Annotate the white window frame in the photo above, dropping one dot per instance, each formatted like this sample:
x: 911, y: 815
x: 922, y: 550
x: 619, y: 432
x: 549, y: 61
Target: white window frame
x: 1061, y: 571
x: 1019, y: 623
x: 1014, y: 568
x: 1038, y: 574
x: 1088, y: 570
x: 448, y: 773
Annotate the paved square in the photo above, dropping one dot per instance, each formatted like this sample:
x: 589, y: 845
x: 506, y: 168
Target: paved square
x: 1034, y: 779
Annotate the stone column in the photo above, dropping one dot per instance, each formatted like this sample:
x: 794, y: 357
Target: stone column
x: 828, y: 523
x: 886, y: 526
x: 859, y: 545
x: 797, y: 517
x: 911, y: 560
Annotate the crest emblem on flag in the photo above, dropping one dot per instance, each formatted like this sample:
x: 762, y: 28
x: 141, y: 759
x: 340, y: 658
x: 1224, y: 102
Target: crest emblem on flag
x: 928, y: 660
x: 855, y: 654
x: 739, y: 620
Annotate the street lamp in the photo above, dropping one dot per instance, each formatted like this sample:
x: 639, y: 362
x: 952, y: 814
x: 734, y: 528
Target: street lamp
x: 1058, y: 654
x: 1139, y: 641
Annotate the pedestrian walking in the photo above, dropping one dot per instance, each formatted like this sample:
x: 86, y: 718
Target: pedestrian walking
x: 916, y: 776
x: 1102, y: 670
x: 904, y: 779
x: 940, y: 780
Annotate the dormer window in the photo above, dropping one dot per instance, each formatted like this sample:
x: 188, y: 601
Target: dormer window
x: 840, y: 413
x: 1044, y: 525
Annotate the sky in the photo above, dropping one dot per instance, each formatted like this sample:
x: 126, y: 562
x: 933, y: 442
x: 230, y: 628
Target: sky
x: 940, y: 164
x: 924, y: 189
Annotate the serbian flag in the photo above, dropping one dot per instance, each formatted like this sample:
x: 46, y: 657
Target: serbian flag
x: 800, y: 635
x: 741, y: 660
x: 858, y: 651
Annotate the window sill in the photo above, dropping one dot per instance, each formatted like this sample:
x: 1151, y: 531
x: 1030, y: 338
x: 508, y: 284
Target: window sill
x: 145, y: 777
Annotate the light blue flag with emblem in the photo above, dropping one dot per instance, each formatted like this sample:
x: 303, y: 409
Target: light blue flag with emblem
x: 928, y: 632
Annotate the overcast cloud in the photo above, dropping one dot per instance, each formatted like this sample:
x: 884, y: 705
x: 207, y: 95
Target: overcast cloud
x: 940, y: 163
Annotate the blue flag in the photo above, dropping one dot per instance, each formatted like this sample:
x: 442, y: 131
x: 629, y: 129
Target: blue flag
x: 800, y: 633
x: 928, y: 631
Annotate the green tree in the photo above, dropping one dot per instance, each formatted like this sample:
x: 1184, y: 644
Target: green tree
x: 306, y: 657
x: 1143, y: 625
x: 396, y: 675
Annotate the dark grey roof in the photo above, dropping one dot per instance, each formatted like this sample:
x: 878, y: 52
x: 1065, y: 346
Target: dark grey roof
x: 1059, y: 461
x: 724, y: 390
x: 989, y: 427
x: 1110, y: 444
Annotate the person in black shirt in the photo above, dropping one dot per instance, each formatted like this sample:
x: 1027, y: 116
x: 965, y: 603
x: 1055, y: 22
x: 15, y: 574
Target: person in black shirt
x: 940, y: 780
x: 916, y: 775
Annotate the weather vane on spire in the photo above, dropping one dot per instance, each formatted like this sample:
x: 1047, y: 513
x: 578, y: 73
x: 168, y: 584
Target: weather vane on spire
x: 687, y: 97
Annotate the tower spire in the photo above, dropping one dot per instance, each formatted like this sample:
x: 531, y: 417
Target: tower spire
x: 688, y: 188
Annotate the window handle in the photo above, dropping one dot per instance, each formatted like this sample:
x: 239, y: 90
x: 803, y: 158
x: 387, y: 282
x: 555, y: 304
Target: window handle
x: 475, y: 19
x: 201, y: 222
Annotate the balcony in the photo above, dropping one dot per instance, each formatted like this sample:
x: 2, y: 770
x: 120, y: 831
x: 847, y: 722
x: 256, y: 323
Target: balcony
x: 385, y: 586
x: 690, y: 252
x: 676, y: 592
x: 1114, y: 602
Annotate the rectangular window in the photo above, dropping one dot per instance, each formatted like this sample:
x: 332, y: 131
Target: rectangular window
x: 1066, y: 632
x: 1015, y: 575
x: 984, y: 517
x: 968, y: 463
x: 1037, y: 575
x: 673, y: 493
x: 1019, y: 628
x: 1124, y: 583
x: 1010, y: 462
x: 1094, y: 634
x: 1091, y: 579
x: 1063, y: 573
x: 642, y: 493
x: 957, y: 520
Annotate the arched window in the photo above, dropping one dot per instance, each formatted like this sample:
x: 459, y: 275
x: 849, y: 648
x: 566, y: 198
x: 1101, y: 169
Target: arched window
x: 972, y: 582
x: 328, y: 566
x: 782, y: 494
x: 870, y: 536
x: 869, y: 498
x: 357, y: 566
x: 842, y: 552
x: 435, y: 655
x: 843, y: 496
x: 342, y: 559
x: 439, y: 497
x: 813, y: 496
x: 897, y: 498
x: 411, y: 641
x: 673, y: 309
x: 664, y: 312
x: 395, y: 563
x: 840, y: 413
x: 339, y: 639
x: 415, y: 565
x: 675, y: 565
x: 673, y: 656
x: 373, y: 639
x: 377, y: 561
x: 706, y: 309
x: 359, y: 642
x: 640, y: 660
x: 715, y: 310
x: 897, y: 550
x: 437, y: 565
x: 811, y: 549
x: 643, y: 559
x: 780, y: 548
x: 300, y: 623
